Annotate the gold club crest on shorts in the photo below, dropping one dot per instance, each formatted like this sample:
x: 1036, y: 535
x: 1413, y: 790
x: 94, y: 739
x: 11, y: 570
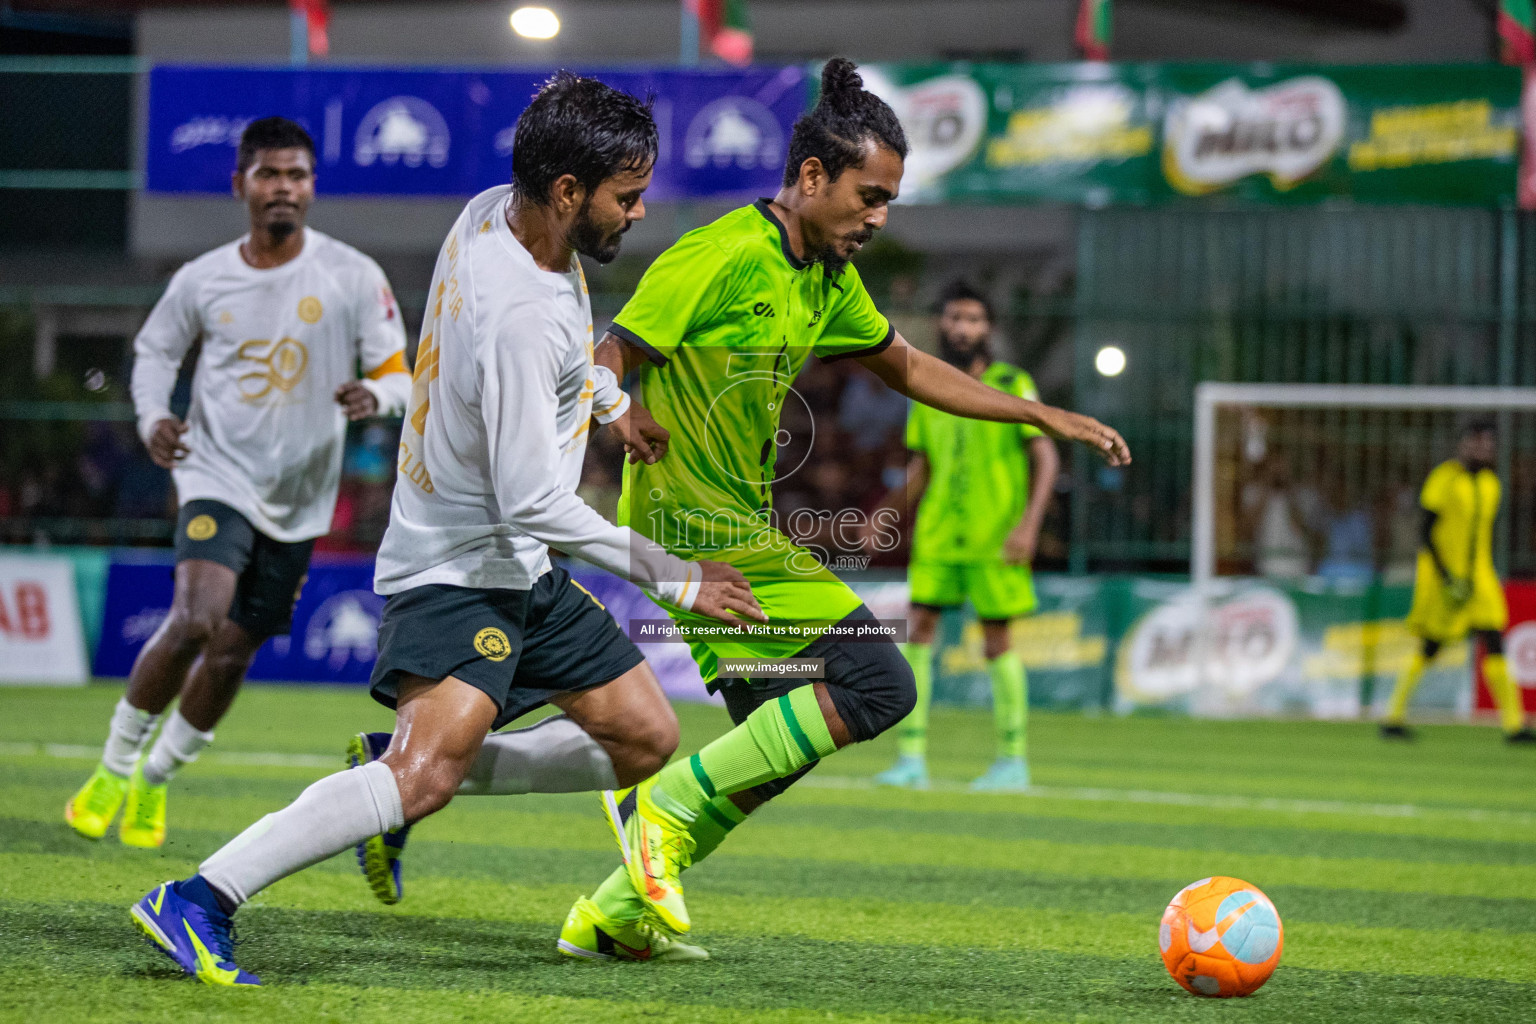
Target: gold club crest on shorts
x: 492, y: 644
x: 202, y: 527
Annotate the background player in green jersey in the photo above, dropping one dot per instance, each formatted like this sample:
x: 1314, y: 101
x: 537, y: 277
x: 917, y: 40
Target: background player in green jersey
x: 981, y: 490
x: 719, y: 327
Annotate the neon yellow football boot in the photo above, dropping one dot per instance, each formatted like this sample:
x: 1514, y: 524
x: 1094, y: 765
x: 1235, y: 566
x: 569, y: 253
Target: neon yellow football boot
x: 144, y: 814
x: 658, y: 849
x: 591, y: 935
x: 91, y: 810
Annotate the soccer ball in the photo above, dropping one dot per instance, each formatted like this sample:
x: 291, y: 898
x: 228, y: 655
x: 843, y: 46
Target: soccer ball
x: 1221, y: 937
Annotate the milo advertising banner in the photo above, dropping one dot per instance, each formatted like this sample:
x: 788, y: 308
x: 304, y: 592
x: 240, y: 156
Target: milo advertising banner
x: 1246, y: 648
x: 1241, y: 648
x: 1144, y: 133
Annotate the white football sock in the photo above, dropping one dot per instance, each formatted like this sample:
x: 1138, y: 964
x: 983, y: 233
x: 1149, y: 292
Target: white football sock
x: 332, y: 815
x: 555, y: 756
x: 179, y: 743
x: 130, y: 730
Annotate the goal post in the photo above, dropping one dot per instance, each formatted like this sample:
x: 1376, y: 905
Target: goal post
x: 1211, y: 398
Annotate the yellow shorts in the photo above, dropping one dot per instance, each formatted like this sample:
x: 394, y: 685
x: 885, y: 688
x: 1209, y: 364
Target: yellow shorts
x: 1434, y: 618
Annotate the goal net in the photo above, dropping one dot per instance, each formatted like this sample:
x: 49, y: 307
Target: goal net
x: 1310, y: 493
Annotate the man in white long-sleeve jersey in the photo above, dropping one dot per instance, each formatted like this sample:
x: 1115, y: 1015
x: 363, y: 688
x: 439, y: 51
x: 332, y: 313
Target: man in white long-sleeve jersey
x: 287, y: 317
x: 479, y: 627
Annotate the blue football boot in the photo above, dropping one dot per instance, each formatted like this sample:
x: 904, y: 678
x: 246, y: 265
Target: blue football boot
x: 378, y: 856
x: 199, y: 939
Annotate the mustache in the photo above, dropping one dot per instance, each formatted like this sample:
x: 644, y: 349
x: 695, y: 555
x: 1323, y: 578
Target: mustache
x: 862, y: 237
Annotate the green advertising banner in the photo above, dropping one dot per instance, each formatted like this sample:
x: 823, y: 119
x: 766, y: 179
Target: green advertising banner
x: 1240, y: 648
x: 1136, y: 134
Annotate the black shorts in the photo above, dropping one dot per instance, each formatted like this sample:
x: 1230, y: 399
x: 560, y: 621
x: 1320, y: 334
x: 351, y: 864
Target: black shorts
x: 270, y: 572
x: 520, y: 647
x: 868, y: 681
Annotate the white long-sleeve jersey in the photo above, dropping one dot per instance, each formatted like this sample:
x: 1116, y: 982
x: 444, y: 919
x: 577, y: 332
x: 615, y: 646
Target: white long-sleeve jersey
x: 503, y: 396
x: 264, y: 430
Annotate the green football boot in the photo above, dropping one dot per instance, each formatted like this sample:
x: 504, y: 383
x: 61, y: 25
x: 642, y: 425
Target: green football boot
x: 658, y: 848
x: 144, y: 813
x: 91, y: 810
x: 590, y: 935
x: 909, y: 772
x: 1007, y: 775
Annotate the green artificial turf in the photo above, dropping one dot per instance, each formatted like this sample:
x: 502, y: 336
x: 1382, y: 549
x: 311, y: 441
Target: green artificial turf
x: 1405, y: 875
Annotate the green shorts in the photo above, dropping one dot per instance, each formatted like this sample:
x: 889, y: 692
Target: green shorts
x: 995, y: 589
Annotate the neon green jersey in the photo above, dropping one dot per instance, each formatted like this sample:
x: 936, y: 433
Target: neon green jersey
x: 727, y: 317
x: 978, y: 482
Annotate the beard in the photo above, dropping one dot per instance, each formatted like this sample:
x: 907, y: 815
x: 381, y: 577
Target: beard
x: 832, y: 262
x: 959, y: 355
x: 591, y: 240
x: 282, y: 226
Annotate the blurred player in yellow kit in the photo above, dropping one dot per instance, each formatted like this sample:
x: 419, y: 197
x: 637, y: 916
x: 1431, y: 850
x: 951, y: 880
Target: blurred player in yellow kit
x: 1456, y: 590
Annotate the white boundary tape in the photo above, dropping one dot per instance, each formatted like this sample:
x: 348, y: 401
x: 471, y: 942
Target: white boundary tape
x: 845, y: 782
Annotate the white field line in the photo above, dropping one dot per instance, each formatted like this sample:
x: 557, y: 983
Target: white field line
x: 261, y: 759
x: 1227, y: 801
x: 272, y: 759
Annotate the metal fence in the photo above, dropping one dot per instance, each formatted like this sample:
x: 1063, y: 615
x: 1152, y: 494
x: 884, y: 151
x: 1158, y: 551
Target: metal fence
x: 1340, y: 295
x: 1324, y: 294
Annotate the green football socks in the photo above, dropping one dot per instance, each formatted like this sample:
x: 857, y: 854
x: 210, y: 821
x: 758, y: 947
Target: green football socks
x: 1010, y: 703
x: 776, y: 740
x: 912, y: 733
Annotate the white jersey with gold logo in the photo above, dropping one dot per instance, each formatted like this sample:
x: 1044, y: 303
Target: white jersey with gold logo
x: 503, y: 398
x: 264, y: 429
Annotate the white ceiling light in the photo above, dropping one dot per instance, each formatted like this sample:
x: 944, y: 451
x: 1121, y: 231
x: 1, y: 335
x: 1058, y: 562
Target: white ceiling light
x: 1110, y: 361
x: 535, y: 23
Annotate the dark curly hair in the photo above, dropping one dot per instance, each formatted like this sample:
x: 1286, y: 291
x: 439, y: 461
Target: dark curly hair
x: 843, y: 120
x: 271, y: 133
x: 582, y: 127
x: 959, y: 290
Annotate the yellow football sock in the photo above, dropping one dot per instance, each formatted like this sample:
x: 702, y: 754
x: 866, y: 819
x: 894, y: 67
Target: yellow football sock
x: 1407, y: 682
x: 1505, y: 693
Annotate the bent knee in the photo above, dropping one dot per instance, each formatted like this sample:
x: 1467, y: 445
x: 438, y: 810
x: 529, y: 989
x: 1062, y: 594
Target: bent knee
x: 645, y: 749
x: 886, y: 695
x: 420, y: 797
x: 191, y: 629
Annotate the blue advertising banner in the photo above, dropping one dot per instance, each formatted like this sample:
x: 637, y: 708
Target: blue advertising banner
x: 335, y: 626
x: 381, y: 131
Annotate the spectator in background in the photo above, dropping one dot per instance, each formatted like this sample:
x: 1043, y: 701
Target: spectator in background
x: 1349, y: 554
x: 1280, y: 518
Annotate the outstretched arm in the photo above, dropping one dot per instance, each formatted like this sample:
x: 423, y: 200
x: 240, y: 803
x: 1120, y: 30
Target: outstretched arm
x: 934, y: 382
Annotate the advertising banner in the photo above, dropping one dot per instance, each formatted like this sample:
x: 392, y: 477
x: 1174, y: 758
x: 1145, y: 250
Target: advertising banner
x: 1241, y: 648
x: 1519, y: 646
x: 1247, y: 648
x: 1142, y: 133
x: 335, y: 625
x: 40, y: 636
x: 388, y: 131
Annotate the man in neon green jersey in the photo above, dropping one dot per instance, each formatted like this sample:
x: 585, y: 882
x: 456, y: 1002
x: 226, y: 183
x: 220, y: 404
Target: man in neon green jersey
x: 979, y: 513
x: 720, y: 325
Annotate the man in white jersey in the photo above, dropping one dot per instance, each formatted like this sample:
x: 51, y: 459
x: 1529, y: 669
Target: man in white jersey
x: 479, y: 627
x: 287, y: 317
